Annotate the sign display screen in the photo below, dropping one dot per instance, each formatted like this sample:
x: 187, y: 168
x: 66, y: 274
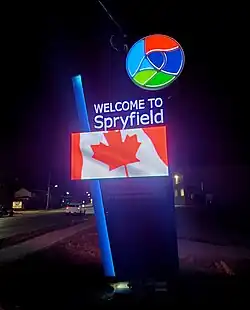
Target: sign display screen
x: 127, y: 153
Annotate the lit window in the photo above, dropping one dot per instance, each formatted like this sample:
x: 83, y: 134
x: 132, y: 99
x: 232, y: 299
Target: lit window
x: 176, y: 193
x: 182, y: 192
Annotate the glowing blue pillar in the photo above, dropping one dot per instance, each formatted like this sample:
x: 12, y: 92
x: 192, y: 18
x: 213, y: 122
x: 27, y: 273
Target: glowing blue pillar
x: 106, y: 254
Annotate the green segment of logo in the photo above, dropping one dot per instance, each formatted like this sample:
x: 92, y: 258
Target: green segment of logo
x: 152, y: 78
x: 160, y: 79
x: 143, y: 76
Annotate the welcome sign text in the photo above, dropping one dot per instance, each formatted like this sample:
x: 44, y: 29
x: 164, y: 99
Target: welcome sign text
x: 132, y: 113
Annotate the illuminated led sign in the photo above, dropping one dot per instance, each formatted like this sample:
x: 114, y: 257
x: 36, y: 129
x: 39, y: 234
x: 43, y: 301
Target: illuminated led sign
x: 128, y: 114
x: 155, y: 61
x: 139, y: 152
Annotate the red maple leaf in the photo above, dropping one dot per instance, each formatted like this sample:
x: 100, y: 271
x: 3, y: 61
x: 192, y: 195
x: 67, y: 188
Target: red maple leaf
x: 117, y: 153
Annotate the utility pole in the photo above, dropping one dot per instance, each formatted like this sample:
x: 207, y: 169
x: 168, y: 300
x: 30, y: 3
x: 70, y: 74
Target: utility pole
x: 202, y: 186
x: 48, y: 192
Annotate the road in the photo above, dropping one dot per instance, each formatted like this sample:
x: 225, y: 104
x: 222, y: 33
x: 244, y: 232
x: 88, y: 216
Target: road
x: 192, y: 224
x: 31, y: 222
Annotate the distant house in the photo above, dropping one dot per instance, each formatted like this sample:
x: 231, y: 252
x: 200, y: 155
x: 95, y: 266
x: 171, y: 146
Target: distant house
x: 179, y: 191
x: 227, y: 185
x: 23, y: 193
x: 29, y: 199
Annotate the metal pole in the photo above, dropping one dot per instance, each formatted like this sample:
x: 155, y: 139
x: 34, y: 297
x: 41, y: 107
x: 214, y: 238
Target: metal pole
x: 48, y: 193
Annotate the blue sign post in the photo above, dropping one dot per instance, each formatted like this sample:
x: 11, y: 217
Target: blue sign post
x: 95, y: 184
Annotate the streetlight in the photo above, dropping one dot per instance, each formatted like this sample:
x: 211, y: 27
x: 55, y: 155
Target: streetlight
x: 176, y: 177
x: 56, y: 186
x: 67, y: 193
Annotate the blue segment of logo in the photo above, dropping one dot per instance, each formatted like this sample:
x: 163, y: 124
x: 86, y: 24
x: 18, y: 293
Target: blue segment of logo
x: 174, y: 61
x: 136, y: 57
x: 146, y: 65
x: 157, y: 59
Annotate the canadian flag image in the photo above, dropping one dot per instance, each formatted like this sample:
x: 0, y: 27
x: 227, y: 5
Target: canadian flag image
x: 139, y: 152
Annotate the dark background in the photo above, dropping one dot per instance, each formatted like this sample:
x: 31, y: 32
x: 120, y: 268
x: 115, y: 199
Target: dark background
x: 44, y: 47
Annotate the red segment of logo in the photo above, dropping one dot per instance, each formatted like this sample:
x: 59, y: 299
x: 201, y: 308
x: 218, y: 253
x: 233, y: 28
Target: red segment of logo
x: 158, y: 42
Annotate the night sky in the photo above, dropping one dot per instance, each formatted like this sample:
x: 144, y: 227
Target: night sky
x: 207, y: 106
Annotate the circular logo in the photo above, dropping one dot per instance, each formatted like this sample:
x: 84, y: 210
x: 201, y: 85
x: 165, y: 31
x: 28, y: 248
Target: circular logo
x: 155, y: 61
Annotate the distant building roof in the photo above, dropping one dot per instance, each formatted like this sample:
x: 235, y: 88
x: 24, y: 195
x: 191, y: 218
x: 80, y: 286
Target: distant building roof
x: 23, y: 192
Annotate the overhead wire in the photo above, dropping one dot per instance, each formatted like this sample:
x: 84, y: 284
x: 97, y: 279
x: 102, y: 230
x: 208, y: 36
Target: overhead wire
x: 111, y: 40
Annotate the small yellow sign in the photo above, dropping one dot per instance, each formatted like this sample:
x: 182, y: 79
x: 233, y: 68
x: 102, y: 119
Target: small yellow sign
x: 17, y: 205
